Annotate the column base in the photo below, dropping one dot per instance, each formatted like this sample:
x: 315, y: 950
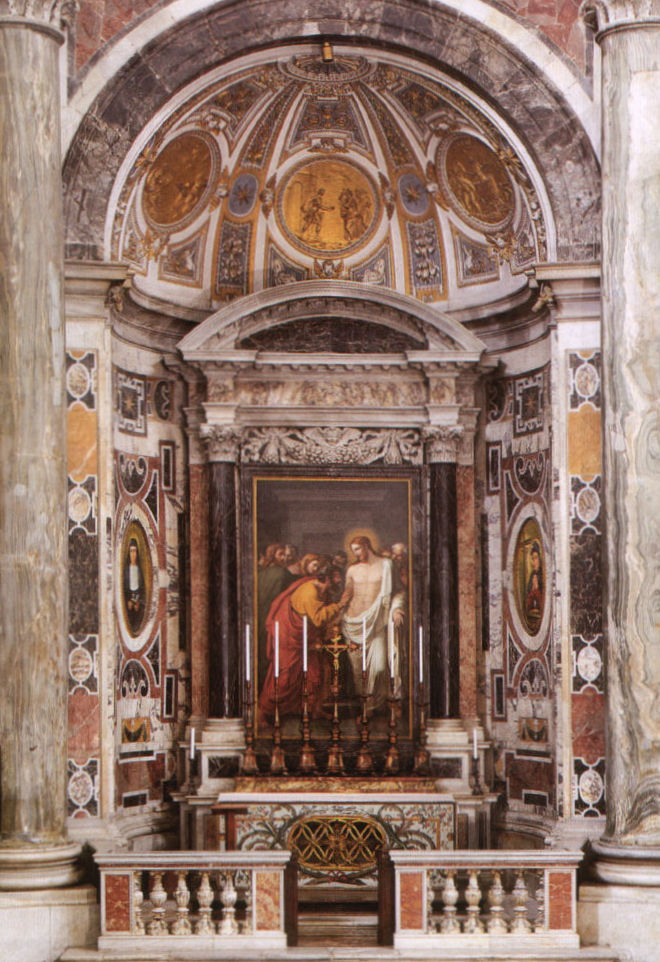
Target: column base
x: 39, y: 867
x: 626, y: 918
x: 626, y: 864
x: 39, y: 926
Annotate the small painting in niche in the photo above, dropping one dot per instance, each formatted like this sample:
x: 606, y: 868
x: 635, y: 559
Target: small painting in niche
x: 335, y: 551
x: 529, y: 575
x: 136, y: 577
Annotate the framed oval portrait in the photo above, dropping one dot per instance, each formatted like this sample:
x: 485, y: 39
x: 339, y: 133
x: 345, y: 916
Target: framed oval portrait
x: 529, y: 573
x: 136, y: 574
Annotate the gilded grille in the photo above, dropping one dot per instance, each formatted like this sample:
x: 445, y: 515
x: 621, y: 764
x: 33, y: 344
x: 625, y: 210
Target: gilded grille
x: 347, y: 844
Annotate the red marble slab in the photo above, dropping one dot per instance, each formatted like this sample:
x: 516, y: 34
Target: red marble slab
x: 199, y: 588
x: 588, y: 714
x: 84, y: 725
x: 268, y: 901
x: 117, y: 903
x: 560, y: 900
x: 411, y: 900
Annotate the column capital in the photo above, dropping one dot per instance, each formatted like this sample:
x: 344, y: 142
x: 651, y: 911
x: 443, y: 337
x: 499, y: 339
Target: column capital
x: 221, y: 443
x: 607, y: 16
x: 47, y: 16
x: 443, y: 443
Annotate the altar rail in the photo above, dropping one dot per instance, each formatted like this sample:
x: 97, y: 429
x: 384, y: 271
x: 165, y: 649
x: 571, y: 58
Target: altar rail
x: 494, y: 900
x: 198, y: 903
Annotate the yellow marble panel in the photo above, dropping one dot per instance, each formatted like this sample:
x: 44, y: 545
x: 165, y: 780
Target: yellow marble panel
x: 81, y: 442
x: 268, y: 901
x: 584, y: 442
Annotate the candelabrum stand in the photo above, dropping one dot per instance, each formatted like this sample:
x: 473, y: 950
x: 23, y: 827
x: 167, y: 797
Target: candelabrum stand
x: 421, y: 764
x: 277, y: 763
x: 392, y: 759
x: 249, y: 766
x: 365, y: 762
x: 335, y: 753
x: 307, y: 761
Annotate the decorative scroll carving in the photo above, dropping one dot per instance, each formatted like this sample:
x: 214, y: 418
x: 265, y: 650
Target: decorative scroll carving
x: 443, y: 443
x: 221, y: 443
x: 328, y: 445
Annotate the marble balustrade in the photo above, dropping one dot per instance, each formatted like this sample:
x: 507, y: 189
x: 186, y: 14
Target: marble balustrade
x: 203, y: 902
x: 516, y: 901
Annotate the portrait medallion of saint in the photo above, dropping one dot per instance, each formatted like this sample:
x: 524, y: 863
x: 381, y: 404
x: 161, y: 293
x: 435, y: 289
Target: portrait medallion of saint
x: 530, y: 576
x: 180, y: 180
x: 328, y: 207
x: 136, y: 578
x: 476, y: 180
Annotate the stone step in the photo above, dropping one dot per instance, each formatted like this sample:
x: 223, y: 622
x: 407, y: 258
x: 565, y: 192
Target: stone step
x: 329, y: 953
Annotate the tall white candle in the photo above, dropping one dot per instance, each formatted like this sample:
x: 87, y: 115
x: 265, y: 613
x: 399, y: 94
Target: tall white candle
x: 277, y: 649
x: 421, y: 656
x: 304, y: 642
x: 192, y: 743
x: 475, y: 754
x: 364, y: 644
x: 391, y: 647
x: 247, y: 652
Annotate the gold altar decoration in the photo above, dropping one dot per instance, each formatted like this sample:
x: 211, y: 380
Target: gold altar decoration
x: 328, y: 207
x: 179, y: 180
x: 478, y: 182
x: 348, y: 843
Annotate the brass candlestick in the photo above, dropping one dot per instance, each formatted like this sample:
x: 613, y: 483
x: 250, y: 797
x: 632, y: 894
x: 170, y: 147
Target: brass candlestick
x: 365, y: 762
x: 422, y: 763
x: 392, y: 759
x: 335, y: 753
x: 307, y: 760
x: 277, y: 763
x: 249, y: 766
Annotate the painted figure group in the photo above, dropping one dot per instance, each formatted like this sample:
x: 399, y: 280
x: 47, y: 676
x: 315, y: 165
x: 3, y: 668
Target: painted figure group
x: 366, y: 601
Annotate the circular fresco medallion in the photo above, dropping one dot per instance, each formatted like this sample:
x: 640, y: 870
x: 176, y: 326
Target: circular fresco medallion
x: 180, y: 180
x: 476, y: 181
x: 529, y: 576
x: 328, y: 207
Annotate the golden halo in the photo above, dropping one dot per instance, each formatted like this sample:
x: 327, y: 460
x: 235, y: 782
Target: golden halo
x: 360, y: 532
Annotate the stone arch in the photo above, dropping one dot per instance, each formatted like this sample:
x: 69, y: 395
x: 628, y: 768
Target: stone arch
x: 524, y: 91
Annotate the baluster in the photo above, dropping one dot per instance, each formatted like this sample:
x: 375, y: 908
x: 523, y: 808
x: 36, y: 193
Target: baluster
x: 520, y: 921
x: 181, y: 925
x: 228, y: 898
x: 204, y: 925
x: 473, y: 897
x: 496, y: 922
x: 158, y: 899
x: 138, y: 900
x: 244, y: 888
x: 449, y: 922
x: 539, y: 895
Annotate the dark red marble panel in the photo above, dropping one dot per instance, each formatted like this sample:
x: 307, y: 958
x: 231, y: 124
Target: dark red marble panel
x: 560, y: 900
x: 588, y: 708
x: 84, y: 725
x: 117, y: 903
x: 411, y: 895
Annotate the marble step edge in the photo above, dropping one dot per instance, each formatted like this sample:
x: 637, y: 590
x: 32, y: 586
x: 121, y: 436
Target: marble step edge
x: 344, y: 954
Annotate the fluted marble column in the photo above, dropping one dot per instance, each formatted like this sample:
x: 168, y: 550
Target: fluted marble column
x: 629, y: 37
x: 34, y: 852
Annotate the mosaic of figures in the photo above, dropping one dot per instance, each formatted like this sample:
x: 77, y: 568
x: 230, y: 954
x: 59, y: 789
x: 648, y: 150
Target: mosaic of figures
x: 151, y: 667
x: 518, y: 608
x: 362, y: 171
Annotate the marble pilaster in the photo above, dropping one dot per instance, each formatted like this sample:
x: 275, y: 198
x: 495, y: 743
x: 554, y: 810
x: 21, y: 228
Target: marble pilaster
x: 443, y: 613
x: 34, y: 851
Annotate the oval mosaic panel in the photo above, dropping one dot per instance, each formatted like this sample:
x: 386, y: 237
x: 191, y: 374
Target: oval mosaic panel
x: 136, y: 573
x: 477, y: 182
x: 529, y: 576
x: 180, y: 180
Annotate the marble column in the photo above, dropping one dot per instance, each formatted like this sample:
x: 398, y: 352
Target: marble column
x: 34, y: 851
x: 629, y: 38
x: 224, y: 656
x: 443, y: 589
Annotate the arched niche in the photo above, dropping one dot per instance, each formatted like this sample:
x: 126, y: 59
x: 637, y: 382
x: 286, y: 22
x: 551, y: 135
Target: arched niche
x: 393, y: 394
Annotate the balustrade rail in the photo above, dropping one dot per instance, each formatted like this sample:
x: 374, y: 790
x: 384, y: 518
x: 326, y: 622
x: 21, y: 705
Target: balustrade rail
x: 208, y: 899
x: 487, y: 896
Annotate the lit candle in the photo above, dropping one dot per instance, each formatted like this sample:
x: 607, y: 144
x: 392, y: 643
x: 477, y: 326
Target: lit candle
x: 277, y: 649
x: 364, y: 644
x: 475, y: 754
x: 391, y: 632
x: 192, y: 742
x: 247, y: 652
x: 304, y: 642
x: 421, y: 656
